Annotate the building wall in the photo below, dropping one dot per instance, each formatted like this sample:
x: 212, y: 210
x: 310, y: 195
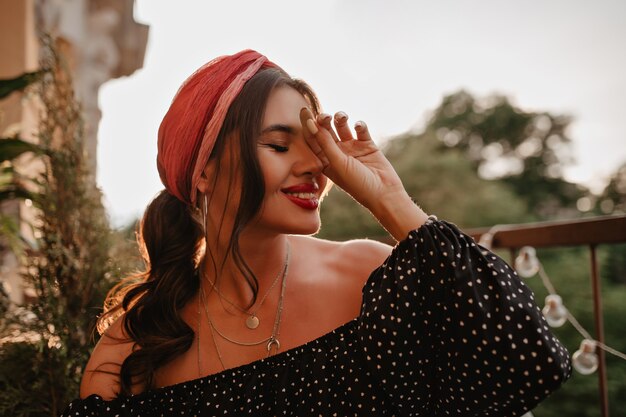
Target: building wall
x: 100, y: 40
x: 18, y: 115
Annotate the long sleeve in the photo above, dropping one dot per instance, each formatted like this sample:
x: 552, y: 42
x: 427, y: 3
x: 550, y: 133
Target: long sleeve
x: 448, y: 328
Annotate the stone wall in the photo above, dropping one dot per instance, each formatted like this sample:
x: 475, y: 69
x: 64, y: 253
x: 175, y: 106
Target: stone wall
x: 100, y: 40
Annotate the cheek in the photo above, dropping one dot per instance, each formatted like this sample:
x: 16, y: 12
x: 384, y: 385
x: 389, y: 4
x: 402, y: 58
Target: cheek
x: 325, y: 184
x: 271, y: 175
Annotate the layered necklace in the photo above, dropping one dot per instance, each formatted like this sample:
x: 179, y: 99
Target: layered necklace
x: 272, y: 342
x: 253, y: 321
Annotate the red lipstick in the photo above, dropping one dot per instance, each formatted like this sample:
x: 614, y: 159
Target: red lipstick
x: 302, y: 188
x: 309, y: 203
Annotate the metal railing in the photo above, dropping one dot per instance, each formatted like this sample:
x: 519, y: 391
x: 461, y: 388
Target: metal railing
x: 589, y: 232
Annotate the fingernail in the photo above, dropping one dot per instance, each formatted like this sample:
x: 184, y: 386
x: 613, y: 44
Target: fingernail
x: 324, y: 118
x: 341, y: 117
x: 360, y: 125
x: 310, y: 124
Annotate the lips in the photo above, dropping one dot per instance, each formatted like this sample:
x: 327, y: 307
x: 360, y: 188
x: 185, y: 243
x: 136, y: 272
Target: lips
x: 303, y: 195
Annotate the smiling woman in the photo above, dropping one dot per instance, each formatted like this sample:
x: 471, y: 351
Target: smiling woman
x: 242, y: 311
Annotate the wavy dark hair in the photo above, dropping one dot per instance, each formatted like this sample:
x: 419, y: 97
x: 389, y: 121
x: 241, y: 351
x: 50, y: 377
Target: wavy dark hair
x: 171, y: 241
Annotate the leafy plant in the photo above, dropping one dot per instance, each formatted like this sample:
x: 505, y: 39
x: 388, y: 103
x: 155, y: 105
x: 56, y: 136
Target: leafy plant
x: 69, y: 271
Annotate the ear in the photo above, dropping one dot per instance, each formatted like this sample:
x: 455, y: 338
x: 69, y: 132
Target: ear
x: 205, y: 184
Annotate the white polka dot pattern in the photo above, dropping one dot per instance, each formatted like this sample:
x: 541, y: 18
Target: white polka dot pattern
x: 446, y: 329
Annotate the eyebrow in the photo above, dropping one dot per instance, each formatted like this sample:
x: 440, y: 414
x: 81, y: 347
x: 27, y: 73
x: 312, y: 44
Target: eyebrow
x: 279, y: 128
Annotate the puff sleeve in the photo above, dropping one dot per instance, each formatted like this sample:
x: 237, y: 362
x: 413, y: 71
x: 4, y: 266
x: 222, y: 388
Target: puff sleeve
x: 448, y: 328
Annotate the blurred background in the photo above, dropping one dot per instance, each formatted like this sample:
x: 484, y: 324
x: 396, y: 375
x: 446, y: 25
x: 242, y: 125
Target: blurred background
x: 391, y: 64
x: 492, y: 112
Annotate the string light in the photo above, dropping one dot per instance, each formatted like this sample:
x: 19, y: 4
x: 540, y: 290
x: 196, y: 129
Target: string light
x: 527, y: 264
x: 585, y: 359
x: 554, y: 312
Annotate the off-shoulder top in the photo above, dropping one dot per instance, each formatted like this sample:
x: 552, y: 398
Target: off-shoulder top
x: 446, y: 328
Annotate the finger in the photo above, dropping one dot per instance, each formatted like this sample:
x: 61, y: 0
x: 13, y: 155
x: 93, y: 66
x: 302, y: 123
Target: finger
x: 324, y: 120
x: 306, y: 117
x: 305, y: 114
x: 331, y: 151
x: 362, y: 132
x: 343, y: 129
x: 312, y: 142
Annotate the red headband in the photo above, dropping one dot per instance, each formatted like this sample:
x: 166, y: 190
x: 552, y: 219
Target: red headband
x: 190, y: 127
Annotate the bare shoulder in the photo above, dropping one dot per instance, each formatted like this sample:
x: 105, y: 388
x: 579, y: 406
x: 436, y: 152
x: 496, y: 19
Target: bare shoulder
x: 356, y: 258
x: 329, y: 277
x: 101, y: 374
x: 364, y: 255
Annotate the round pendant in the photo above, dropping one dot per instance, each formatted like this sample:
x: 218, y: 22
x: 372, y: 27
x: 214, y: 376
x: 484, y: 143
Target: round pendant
x: 273, y: 342
x: 252, y: 322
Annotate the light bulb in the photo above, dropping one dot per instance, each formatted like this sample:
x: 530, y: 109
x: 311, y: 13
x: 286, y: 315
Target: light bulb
x: 526, y: 262
x: 486, y: 240
x: 554, y: 312
x: 585, y: 359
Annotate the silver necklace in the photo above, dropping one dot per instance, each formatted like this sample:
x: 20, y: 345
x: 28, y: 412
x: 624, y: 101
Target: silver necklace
x: 272, y: 341
x: 253, y: 321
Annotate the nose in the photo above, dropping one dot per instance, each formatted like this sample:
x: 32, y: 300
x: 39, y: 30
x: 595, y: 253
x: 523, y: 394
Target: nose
x: 307, y: 162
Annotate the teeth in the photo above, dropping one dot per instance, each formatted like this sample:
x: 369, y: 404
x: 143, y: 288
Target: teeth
x: 304, y: 196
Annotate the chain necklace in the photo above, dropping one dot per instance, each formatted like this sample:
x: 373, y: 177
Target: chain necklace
x: 252, y: 321
x: 272, y: 341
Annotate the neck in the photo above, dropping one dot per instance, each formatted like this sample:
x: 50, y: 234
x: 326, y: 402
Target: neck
x: 265, y: 257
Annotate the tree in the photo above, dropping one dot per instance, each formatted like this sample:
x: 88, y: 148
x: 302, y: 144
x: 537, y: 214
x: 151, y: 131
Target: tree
x: 441, y: 180
x: 613, y: 201
x: 613, y: 198
x: 525, y: 149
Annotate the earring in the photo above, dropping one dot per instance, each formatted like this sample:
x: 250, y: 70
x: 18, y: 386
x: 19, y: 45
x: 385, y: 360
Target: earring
x: 204, y: 213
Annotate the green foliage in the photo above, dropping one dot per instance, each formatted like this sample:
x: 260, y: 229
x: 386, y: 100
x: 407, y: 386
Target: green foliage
x: 343, y: 218
x: 613, y: 198
x: 11, y: 148
x: 445, y: 183
x: 19, y: 83
x: 569, y: 271
x: 26, y: 369
x: 70, y: 268
x: 10, y: 238
x: 614, y: 264
x: 12, y: 184
x: 442, y: 181
x: 526, y: 150
x: 443, y: 169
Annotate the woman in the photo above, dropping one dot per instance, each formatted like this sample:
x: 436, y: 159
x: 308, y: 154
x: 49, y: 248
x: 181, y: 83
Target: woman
x: 241, y: 312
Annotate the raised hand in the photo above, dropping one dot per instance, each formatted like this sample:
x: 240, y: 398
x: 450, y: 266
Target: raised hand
x: 361, y: 169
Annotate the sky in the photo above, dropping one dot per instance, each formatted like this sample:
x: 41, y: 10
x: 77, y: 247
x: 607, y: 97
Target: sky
x: 388, y: 63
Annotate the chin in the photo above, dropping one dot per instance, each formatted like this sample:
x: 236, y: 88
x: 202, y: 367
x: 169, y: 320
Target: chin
x: 305, y: 229
x: 300, y: 226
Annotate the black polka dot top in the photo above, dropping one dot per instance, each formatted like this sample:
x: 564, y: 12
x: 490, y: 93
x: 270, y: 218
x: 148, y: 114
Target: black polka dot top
x: 446, y: 329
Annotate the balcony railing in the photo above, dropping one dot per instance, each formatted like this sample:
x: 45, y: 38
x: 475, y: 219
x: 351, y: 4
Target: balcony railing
x: 589, y: 232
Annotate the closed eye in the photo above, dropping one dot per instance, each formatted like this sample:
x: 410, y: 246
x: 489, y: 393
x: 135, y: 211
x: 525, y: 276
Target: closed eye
x: 277, y: 148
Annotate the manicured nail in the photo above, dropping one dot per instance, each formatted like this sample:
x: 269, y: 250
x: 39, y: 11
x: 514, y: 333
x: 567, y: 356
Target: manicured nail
x: 341, y: 117
x: 324, y: 118
x: 310, y: 124
x: 360, y: 125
